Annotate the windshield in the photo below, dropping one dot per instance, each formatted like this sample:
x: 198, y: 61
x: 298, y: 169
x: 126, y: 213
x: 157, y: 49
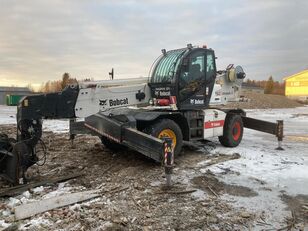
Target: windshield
x: 167, y: 66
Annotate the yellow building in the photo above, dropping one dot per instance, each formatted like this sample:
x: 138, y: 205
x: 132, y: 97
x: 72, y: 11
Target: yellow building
x: 297, y: 85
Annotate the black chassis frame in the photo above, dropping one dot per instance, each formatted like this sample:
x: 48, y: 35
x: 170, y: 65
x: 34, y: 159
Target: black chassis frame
x: 125, y: 126
x: 122, y: 125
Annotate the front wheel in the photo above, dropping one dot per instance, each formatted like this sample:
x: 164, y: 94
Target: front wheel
x: 167, y: 128
x: 233, y: 131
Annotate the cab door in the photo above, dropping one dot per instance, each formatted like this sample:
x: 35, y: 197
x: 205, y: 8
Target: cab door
x: 195, y: 83
x: 210, y: 75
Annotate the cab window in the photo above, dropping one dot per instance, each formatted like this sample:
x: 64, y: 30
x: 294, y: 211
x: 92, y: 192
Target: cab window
x: 210, y: 67
x: 166, y: 68
x: 195, y: 70
x: 192, y: 75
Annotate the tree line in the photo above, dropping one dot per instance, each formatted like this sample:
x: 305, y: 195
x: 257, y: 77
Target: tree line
x: 270, y: 86
x: 57, y: 85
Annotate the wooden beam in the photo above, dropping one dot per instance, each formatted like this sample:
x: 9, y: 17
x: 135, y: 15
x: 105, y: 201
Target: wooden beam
x: 22, y: 188
x: 31, y: 209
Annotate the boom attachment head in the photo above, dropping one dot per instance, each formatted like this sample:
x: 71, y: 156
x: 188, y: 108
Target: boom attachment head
x: 17, y: 156
x: 228, y: 85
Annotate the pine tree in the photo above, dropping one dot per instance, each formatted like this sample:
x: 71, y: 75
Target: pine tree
x: 269, y: 87
x: 65, y: 80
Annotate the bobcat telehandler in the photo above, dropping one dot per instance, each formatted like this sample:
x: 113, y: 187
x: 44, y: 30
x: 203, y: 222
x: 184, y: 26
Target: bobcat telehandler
x: 180, y: 100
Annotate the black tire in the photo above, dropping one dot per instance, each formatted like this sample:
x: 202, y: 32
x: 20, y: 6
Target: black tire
x: 233, y: 131
x: 163, y: 124
x: 112, y: 145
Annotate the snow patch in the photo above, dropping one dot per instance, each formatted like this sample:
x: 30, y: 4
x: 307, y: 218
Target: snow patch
x: 26, y: 194
x: 13, y: 202
x: 3, y: 224
x: 38, y: 189
x: 8, y: 116
x: 36, y: 223
x: 199, y: 195
x: 264, y: 169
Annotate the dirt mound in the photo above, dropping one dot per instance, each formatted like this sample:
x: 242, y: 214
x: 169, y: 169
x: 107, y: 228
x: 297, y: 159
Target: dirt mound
x: 261, y: 101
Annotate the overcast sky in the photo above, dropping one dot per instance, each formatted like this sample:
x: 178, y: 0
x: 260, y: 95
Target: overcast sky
x: 42, y: 39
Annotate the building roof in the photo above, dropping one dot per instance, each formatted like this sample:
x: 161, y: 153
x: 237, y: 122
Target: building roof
x: 296, y: 75
x: 16, y: 89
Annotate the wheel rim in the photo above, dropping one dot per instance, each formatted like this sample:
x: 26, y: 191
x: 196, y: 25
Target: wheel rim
x: 168, y: 133
x: 236, y: 131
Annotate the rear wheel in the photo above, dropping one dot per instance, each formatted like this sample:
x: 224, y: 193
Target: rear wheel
x: 233, y: 131
x: 167, y: 128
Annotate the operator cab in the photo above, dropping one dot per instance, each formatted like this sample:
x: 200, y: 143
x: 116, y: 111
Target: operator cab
x: 188, y: 74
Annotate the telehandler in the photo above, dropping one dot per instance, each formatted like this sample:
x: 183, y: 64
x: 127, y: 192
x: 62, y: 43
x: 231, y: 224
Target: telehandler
x: 181, y: 99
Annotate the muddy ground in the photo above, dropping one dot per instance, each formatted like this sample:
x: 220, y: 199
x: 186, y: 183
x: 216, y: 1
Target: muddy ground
x: 133, y: 192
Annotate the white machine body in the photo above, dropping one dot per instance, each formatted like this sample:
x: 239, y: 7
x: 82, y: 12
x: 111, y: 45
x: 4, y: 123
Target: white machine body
x: 226, y: 88
x: 214, y: 121
x: 103, y: 95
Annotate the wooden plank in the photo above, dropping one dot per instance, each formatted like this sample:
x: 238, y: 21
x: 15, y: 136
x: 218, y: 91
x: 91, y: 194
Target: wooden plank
x: 22, y: 188
x: 31, y: 209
